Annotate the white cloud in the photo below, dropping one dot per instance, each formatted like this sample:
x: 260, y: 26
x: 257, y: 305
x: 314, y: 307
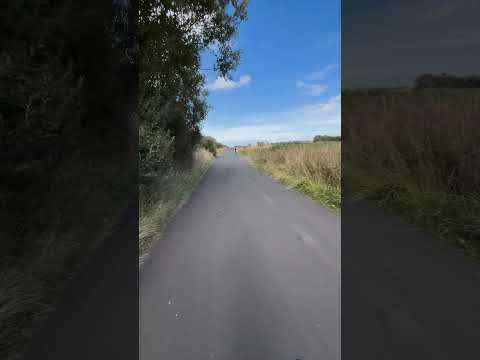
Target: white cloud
x: 311, y: 89
x: 222, y: 83
x: 332, y: 105
x: 322, y: 74
x: 291, y: 124
x: 251, y: 133
x: 333, y: 120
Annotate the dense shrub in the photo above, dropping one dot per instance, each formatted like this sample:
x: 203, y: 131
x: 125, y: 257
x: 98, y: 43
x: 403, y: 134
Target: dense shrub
x: 210, y: 144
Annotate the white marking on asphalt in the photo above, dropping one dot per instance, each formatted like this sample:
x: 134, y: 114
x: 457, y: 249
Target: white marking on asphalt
x: 268, y: 198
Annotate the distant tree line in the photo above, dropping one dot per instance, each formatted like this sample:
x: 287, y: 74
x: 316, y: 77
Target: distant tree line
x: 326, y: 138
x: 446, y: 81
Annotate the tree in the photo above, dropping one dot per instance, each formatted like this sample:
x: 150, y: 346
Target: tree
x: 210, y: 144
x: 172, y: 99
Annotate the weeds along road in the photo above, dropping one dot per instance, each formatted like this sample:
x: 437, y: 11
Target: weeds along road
x: 247, y: 270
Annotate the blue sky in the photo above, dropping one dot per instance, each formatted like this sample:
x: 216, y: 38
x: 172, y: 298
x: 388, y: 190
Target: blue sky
x: 287, y: 86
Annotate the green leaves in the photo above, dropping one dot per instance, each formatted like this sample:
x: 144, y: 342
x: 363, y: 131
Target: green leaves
x: 172, y: 95
x: 210, y: 144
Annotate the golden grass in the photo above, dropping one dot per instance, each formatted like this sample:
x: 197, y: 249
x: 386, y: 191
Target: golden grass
x: 312, y: 168
x: 164, y: 195
x: 418, y: 154
x: 220, y: 151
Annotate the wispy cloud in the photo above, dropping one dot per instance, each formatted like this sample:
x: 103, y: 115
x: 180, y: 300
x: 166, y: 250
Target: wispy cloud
x: 332, y: 105
x: 242, y: 134
x: 301, y: 123
x: 311, y: 89
x: 322, y: 74
x: 221, y: 83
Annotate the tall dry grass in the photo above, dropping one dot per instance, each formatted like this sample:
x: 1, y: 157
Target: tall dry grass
x: 163, y: 195
x: 45, y: 239
x: 313, y: 168
x: 418, y: 154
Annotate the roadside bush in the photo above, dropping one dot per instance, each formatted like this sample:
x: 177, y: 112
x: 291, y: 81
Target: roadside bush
x: 210, y: 144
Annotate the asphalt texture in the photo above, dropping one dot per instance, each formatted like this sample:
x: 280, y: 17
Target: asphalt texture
x: 248, y: 270
x: 405, y: 294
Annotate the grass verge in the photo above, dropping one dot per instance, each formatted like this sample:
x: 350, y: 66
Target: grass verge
x: 416, y: 154
x: 45, y: 240
x: 162, y: 195
x: 311, y: 168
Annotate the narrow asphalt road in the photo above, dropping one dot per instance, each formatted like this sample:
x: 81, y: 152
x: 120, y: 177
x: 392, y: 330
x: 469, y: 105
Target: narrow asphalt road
x: 247, y: 270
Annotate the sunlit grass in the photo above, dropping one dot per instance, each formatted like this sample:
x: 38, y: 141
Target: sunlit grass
x: 312, y: 168
x: 163, y: 195
x: 417, y: 153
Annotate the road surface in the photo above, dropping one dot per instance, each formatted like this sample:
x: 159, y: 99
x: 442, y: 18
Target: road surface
x: 248, y: 270
x: 405, y: 294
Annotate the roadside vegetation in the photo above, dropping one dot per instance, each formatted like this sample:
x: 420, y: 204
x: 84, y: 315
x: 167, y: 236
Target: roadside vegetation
x: 162, y: 195
x: 416, y: 152
x: 312, y: 168
x: 74, y: 95
x: 173, y: 154
x: 67, y: 148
